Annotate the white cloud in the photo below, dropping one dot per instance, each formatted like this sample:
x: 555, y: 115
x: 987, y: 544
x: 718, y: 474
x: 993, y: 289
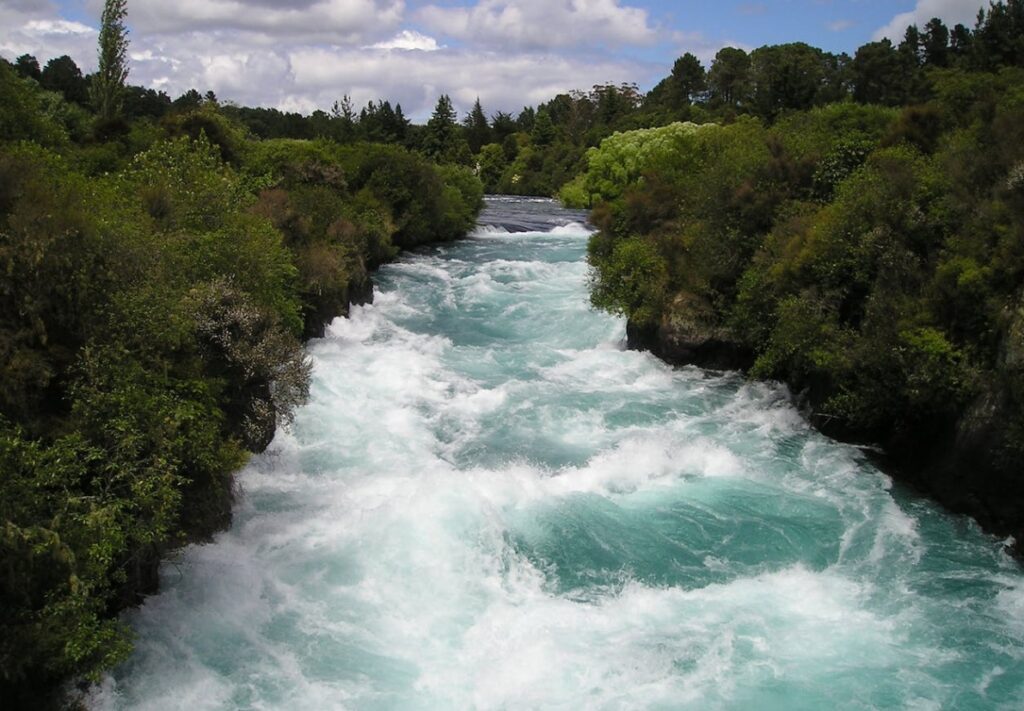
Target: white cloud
x: 503, y: 81
x: 534, y: 24
x: 951, y: 12
x: 408, y: 40
x: 38, y: 30
x: 297, y: 69
x: 335, y: 21
x: 56, y: 27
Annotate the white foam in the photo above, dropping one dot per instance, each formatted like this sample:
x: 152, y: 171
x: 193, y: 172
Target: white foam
x: 385, y: 556
x: 573, y: 229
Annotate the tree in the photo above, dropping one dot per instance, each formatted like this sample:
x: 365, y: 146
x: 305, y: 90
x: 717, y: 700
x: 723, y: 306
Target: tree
x: 344, y: 118
x: 502, y: 125
x: 936, y: 43
x: 543, y: 133
x: 688, y: 79
x: 400, y: 130
x: 442, y: 141
x: 960, y: 40
x: 911, y: 53
x: 787, y: 76
x: 524, y: 122
x: 492, y: 165
x: 729, y: 77
x: 28, y: 67
x: 188, y: 101
x: 139, y: 101
x: 61, y: 74
x: 478, y: 132
x: 910, y: 47
x: 876, y: 73
x: 107, y: 88
x: 999, y: 35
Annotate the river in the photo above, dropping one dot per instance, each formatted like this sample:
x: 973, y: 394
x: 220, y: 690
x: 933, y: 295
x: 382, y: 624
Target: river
x: 489, y: 503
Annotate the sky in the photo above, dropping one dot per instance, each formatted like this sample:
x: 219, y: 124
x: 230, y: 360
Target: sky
x: 302, y: 55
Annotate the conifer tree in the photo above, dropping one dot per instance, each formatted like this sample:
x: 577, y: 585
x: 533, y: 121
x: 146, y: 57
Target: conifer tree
x: 443, y: 141
x: 478, y: 131
x: 108, y: 83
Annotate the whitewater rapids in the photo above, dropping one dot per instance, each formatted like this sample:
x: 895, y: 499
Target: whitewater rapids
x: 489, y: 503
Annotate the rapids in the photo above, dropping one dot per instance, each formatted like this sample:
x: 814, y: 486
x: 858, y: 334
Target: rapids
x: 489, y: 503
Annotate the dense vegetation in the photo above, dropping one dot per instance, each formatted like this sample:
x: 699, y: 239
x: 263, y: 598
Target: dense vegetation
x: 851, y: 225
x: 159, y: 273
x: 867, y: 251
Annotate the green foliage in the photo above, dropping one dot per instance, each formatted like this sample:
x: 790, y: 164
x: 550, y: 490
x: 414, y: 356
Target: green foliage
x: 478, y: 130
x: 427, y: 203
x: 107, y: 86
x: 206, y: 121
x: 787, y: 77
x: 443, y: 141
x: 729, y: 78
x: 22, y: 114
x: 574, y: 193
x: 815, y: 133
x: 624, y: 158
x: 869, y: 256
x: 63, y: 76
x: 492, y: 161
x: 150, y: 318
x: 632, y: 279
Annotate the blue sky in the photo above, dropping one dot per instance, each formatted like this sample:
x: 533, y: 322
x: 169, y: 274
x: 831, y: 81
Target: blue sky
x: 304, y: 54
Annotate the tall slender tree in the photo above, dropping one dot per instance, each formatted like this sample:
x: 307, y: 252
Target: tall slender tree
x: 108, y: 83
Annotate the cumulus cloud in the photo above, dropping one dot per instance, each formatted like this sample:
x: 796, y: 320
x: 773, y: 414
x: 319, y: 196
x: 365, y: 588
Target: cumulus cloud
x: 503, y: 81
x: 535, y: 24
x: 36, y: 28
x: 951, y: 12
x: 336, y: 21
x: 301, y: 67
x: 408, y: 40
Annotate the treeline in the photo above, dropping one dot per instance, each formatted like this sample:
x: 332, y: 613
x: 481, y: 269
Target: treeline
x: 869, y: 255
x: 538, y: 150
x: 542, y: 148
x: 160, y: 271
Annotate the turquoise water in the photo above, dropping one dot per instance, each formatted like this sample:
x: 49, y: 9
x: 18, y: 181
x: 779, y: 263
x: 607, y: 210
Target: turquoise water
x: 490, y: 504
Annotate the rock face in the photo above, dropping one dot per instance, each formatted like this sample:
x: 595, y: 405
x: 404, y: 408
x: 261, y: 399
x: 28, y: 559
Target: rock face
x: 327, y: 307
x: 983, y: 475
x: 688, y: 334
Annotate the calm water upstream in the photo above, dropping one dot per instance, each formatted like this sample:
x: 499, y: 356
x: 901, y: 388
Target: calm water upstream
x: 489, y: 504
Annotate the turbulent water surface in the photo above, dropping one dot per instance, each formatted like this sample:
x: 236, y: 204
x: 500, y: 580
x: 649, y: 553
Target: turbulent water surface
x: 490, y: 504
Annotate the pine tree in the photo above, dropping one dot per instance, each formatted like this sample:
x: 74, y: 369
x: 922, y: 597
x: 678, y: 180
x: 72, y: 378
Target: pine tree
x: 108, y: 83
x: 443, y: 141
x: 478, y: 131
x: 689, y: 80
x: 543, y: 133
